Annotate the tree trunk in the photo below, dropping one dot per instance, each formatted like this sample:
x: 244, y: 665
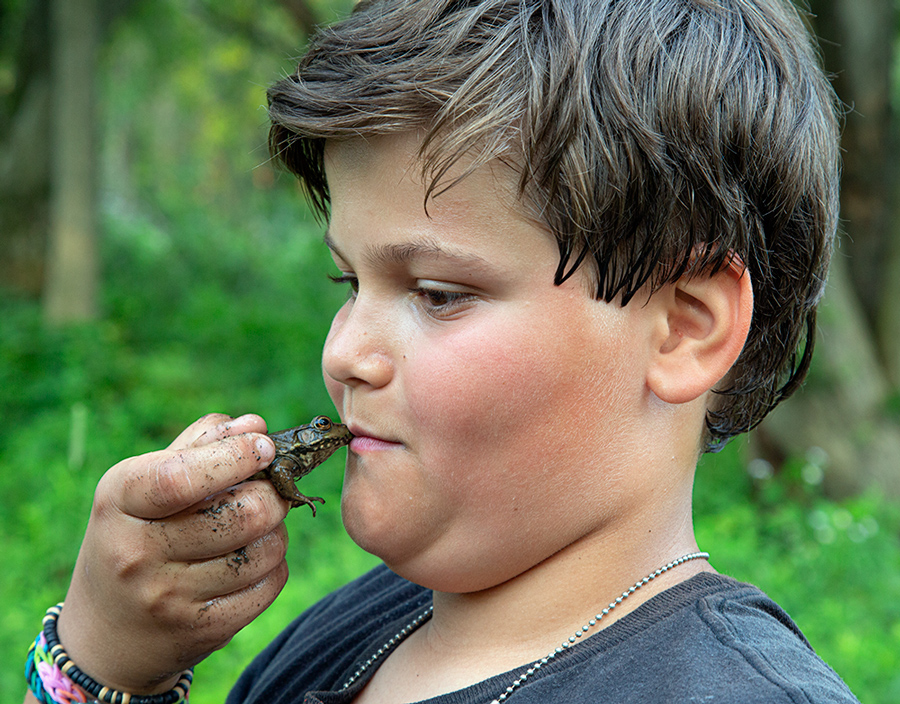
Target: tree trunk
x: 858, y: 40
x: 843, y: 407
x: 27, y: 103
x: 25, y: 153
x: 303, y: 15
x: 70, y: 292
x: 888, y: 322
x: 859, y: 49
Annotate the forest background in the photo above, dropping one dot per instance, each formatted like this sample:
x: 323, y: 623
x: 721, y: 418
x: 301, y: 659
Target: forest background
x: 156, y: 267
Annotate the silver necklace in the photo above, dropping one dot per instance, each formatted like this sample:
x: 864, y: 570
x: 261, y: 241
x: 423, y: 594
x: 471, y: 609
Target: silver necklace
x: 538, y: 664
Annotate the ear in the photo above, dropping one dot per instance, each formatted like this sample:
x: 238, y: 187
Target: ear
x: 702, y: 324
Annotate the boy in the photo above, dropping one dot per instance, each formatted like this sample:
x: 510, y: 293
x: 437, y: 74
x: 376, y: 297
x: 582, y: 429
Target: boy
x: 584, y: 241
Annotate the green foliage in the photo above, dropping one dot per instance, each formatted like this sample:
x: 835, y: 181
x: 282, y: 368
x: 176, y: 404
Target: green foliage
x: 833, y: 566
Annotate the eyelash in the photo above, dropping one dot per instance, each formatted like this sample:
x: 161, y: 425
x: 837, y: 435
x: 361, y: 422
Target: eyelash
x: 346, y: 279
x: 437, y: 300
x: 440, y: 300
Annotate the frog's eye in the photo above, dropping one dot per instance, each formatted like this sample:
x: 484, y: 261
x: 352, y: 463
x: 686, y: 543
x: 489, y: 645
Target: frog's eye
x: 322, y: 423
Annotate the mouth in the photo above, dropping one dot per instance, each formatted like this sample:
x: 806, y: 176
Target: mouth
x: 365, y: 441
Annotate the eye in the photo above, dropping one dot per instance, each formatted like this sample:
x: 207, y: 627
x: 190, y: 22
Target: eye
x: 347, y: 279
x: 440, y: 299
x: 321, y: 423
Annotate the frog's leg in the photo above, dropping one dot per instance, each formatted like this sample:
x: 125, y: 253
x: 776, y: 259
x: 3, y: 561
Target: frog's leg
x: 282, y: 472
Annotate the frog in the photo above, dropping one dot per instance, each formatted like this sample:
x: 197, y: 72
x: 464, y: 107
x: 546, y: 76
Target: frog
x: 300, y: 450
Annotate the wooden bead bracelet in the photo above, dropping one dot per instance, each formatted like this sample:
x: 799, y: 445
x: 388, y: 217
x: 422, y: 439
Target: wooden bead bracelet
x: 65, y: 672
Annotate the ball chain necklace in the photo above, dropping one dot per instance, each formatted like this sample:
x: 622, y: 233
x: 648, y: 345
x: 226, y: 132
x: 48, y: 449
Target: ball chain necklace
x: 538, y: 664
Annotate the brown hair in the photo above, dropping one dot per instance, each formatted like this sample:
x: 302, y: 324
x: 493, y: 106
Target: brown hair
x: 655, y: 138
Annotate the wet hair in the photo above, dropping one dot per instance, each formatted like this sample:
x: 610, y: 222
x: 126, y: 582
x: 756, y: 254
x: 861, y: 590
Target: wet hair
x: 656, y: 139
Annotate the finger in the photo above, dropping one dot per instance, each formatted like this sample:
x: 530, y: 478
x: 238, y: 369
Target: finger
x: 220, y: 617
x: 189, y: 435
x: 163, y: 483
x: 249, y: 423
x: 222, y: 523
x: 216, y: 426
x: 173, y: 606
x: 240, y: 569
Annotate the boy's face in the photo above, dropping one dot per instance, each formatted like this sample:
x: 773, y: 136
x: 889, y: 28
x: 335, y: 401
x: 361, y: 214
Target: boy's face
x: 495, y: 413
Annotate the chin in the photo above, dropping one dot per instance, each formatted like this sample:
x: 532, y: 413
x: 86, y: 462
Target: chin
x: 434, y: 564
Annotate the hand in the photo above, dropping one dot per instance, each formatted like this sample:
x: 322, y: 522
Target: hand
x: 178, y: 556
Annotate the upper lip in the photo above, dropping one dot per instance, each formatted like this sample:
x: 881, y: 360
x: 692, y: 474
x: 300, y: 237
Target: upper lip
x: 361, y: 431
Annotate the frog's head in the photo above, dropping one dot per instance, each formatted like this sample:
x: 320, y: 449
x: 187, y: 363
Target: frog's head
x: 310, y: 445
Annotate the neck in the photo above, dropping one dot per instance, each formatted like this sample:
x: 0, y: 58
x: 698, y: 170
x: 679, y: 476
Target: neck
x: 524, y: 618
x: 464, y: 643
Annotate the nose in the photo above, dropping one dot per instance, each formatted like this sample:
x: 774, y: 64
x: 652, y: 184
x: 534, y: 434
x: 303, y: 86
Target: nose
x: 357, y: 349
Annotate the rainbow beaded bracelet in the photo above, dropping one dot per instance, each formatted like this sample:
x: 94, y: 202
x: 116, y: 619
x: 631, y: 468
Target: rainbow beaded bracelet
x: 54, y: 679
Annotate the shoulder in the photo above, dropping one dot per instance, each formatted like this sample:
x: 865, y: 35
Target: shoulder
x: 319, y: 648
x: 745, y: 625
x: 710, y: 638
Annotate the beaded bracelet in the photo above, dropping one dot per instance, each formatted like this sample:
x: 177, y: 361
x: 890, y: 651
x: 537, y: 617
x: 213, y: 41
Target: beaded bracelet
x: 45, y: 680
x: 54, y: 679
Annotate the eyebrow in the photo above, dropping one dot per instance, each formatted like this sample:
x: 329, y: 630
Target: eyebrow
x: 405, y: 252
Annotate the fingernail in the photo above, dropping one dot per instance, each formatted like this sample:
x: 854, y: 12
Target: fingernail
x: 265, y: 448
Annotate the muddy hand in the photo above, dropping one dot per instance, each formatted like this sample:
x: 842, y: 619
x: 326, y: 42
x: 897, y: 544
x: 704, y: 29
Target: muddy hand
x: 178, y: 556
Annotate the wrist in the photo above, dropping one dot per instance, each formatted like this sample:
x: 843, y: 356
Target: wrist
x: 109, y: 644
x: 53, y: 677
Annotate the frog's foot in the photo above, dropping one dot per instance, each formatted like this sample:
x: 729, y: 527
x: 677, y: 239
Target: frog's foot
x: 281, y: 474
x: 298, y: 499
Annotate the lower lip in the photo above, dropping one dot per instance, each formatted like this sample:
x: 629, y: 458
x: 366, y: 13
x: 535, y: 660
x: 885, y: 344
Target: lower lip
x: 364, y: 443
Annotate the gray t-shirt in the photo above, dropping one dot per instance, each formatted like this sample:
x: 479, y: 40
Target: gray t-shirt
x: 708, y: 639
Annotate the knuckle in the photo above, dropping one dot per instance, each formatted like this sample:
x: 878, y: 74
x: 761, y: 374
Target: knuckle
x: 271, y: 548
x: 166, y: 605
x: 105, y: 503
x: 242, y: 515
x: 215, y: 427
x: 137, y: 563
x: 213, y: 418
x: 257, y: 514
x: 143, y: 486
x: 169, y: 482
x: 275, y: 581
x: 221, y: 514
x: 279, y: 539
x: 249, y: 451
x: 127, y: 566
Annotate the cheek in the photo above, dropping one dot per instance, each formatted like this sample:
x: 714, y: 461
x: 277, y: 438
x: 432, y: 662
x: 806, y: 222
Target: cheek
x: 522, y: 433
x: 464, y: 388
x: 516, y: 402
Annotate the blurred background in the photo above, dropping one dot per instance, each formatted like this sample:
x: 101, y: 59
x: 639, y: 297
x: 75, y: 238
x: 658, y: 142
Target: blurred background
x: 155, y: 267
